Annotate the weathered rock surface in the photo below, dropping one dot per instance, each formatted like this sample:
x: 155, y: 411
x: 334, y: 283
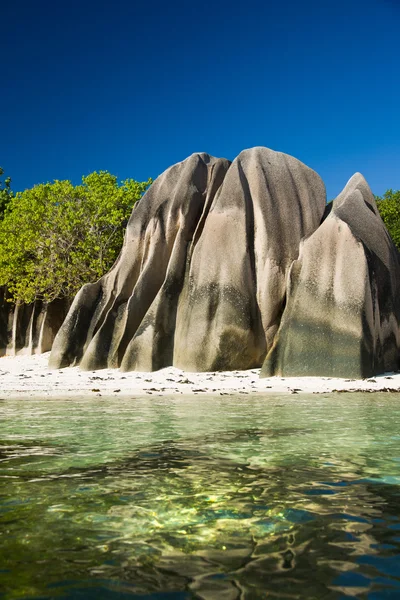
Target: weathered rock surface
x: 201, y: 279
x: 343, y: 297
x: 231, y: 303
x: 236, y: 265
x: 29, y: 328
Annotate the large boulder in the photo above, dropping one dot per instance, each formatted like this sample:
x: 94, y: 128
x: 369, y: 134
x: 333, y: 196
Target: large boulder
x: 134, y: 305
x: 343, y: 296
x: 201, y: 279
x: 235, y: 285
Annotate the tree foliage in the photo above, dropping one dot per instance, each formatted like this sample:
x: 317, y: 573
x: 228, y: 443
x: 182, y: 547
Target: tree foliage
x: 389, y: 209
x: 5, y: 192
x: 55, y: 237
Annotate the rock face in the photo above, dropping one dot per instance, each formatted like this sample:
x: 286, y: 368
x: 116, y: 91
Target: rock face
x: 236, y: 265
x: 201, y: 279
x: 343, y: 296
x: 29, y: 328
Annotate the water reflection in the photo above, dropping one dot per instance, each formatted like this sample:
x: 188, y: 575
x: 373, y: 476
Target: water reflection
x: 272, y: 497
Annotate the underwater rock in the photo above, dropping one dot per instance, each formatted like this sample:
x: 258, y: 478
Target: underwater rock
x: 343, y: 296
x: 200, y: 283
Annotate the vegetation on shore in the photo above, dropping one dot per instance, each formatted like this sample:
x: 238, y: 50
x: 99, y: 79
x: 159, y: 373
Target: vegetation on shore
x: 56, y: 236
x: 389, y: 209
x: 5, y: 192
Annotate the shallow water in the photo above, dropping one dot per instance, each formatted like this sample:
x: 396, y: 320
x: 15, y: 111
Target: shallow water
x: 200, y: 498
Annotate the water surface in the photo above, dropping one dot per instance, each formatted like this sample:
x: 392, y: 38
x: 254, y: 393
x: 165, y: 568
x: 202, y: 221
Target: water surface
x: 200, y: 498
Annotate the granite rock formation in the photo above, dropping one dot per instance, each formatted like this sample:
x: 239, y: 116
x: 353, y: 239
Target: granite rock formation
x: 236, y: 265
x: 201, y: 279
x: 343, y: 296
x: 29, y: 328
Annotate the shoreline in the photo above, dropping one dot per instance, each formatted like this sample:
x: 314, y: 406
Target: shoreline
x: 26, y: 376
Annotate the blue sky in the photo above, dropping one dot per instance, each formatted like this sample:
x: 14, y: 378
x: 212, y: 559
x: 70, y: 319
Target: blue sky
x: 133, y: 87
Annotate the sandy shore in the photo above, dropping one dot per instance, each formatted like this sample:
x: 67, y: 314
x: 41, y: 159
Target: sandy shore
x: 29, y: 376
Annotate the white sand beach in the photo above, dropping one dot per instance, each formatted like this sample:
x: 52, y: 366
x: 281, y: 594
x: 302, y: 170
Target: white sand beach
x: 29, y: 376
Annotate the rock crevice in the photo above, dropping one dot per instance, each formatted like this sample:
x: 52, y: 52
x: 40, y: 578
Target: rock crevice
x: 343, y: 308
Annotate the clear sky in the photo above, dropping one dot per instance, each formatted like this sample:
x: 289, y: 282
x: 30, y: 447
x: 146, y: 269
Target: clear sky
x: 133, y: 86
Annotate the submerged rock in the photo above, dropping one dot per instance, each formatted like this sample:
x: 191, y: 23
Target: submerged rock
x: 343, y: 296
x: 200, y: 283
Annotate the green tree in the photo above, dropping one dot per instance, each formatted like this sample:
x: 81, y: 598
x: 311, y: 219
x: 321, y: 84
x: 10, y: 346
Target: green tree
x: 55, y: 237
x: 389, y: 209
x: 5, y: 192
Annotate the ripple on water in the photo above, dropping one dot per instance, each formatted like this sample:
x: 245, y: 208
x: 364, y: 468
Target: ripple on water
x: 173, y: 499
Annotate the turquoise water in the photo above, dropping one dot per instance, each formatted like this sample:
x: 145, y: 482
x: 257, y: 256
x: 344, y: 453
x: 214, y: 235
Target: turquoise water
x: 200, y: 498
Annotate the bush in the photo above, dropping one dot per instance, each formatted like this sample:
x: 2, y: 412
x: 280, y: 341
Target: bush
x: 389, y: 209
x: 55, y: 237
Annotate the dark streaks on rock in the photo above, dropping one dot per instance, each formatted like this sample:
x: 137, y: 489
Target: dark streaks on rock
x: 230, y: 266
